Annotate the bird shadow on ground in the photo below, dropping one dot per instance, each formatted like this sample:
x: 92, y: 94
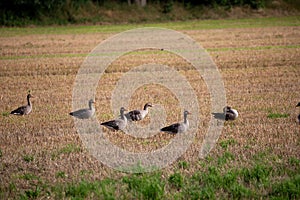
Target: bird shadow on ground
x: 220, y: 116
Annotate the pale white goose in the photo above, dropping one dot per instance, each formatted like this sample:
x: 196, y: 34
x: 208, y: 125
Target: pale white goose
x: 85, y: 113
x: 230, y: 113
x: 137, y: 115
x: 24, y: 110
x: 178, y: 127
x: 117, y: 124
x: 298, y: 105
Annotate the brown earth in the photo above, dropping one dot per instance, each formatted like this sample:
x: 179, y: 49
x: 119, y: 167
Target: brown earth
x: 260, y: 70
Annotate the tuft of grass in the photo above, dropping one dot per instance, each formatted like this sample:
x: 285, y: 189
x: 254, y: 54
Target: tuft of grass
x: 1, y: 154
x: 28, y: 158
x: 277, y: 115
x: 5, y: 114
x: 225, y: 158
x: 60, y: 174
x: 145, y: 186
x: 225, y: 143
x: 29, y: 176
x: 183, y: 164
x: 31, y: 193
x: 288, y: 189
x: 258, y: 174
x: 104, y: 189
x: 176, y: 180
x: 80, y: 190
x: 70, y: 148
x: 294, y: 161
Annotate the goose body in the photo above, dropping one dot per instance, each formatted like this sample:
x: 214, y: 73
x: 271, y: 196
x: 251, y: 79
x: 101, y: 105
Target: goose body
x: 137, y: 115
x: 23, y: 110
x: 178, y: 127
x: 117, y: 124
x: 230, y: 113
x: 85, y: 113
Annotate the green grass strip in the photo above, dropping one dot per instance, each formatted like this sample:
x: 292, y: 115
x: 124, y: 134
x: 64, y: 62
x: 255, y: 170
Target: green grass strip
x: 182, y: 25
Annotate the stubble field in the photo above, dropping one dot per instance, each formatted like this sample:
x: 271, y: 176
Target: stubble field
x: 258, y: 154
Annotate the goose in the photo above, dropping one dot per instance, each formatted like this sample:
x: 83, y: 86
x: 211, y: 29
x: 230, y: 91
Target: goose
x: 117, y: 124
x: 23, y: 110
x: 230, y: 113
x: 178, y: 127
x: 298, y: 105
x: 85, y: 113
x: 137, y: 115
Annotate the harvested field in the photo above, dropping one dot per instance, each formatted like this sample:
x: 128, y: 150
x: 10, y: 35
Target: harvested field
x: 260, y: 67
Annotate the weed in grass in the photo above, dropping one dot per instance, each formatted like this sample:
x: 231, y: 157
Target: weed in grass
x: 183, y: 164
x: 70, y: 148
x: 194, y: 191
x: 230, y: 178
x: 60, y: 174
x: 176, y: 180
x: 238, y: 191
x: 82, y: 190
x: 288, y: 189
x: 225, y: 157
x: 259, y: 173
x: 294, y: 161
x: 104, y: 189
x: 28, y: 158
x: 5, y: 114
x: 29, y: 176
x: 145, y: 186
x: 108, y: 190
x: 277, y: 115
x: 84, y: 172
x: 225, y: 143
x: 32, y: 194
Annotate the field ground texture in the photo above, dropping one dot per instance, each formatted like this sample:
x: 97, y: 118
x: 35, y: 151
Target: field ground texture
x: 256, y: 156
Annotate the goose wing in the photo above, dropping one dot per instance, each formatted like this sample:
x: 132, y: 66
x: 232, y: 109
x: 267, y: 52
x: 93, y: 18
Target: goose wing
x: 113, y: 124
x: 174, y: 128
x: 19, y: 111
x: 82, y: 113
x: 134, y: 115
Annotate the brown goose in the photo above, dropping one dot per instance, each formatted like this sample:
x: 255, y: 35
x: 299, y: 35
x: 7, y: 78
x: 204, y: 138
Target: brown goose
x: 85, y: 113
x: 178, y: 127
x: 117, y: 124
x: 23, y: 110
x: 137, y: 115
x: 230, y: 113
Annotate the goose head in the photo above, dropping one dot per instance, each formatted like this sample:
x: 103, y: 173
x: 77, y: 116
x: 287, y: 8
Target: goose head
x: 226, y: 109
x: 91, y: 102
x: 147, y: 105
x: 29, y: 96
x: 186, y: 113
x: 122, y: 110
x: 298, y: 105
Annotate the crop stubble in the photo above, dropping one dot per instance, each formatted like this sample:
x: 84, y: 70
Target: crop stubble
x: 258, y: 81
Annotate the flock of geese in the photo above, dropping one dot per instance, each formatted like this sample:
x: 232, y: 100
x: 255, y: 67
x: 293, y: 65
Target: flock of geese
x: 134, y: 115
